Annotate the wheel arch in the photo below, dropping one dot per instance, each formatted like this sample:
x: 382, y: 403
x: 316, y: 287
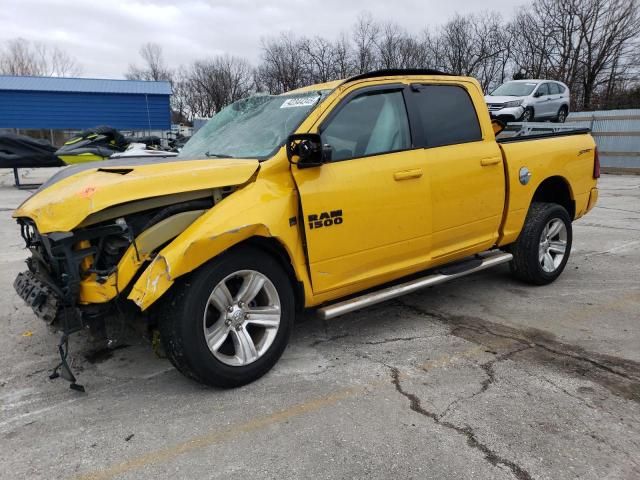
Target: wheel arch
x: 183, y: 257
x: 532, y: 108
x: 556, y: 189
x: 275, y: 248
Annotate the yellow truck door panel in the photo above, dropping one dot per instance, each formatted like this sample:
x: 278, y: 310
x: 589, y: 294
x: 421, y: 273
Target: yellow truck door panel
x: 467, y: 194
x: 364, y: 217
x: 367, y: 212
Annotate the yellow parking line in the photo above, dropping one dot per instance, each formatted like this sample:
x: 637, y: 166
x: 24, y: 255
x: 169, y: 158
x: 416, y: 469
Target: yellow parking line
x: 169, y: 453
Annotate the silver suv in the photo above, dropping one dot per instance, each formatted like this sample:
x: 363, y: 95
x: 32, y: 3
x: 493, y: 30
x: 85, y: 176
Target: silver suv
x: 526, y: 100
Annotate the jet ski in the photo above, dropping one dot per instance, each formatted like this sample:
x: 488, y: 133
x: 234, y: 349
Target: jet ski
x: 92, y: 145
x: 20, y: 151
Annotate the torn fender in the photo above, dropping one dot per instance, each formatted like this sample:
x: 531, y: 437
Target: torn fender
x: 165, y: 268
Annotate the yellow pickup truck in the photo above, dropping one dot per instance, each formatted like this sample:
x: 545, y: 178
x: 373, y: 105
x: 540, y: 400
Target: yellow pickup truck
x: 334, y: 196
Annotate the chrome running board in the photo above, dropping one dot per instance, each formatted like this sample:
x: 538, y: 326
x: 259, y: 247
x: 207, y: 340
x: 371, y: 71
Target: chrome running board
x: 488, y: 259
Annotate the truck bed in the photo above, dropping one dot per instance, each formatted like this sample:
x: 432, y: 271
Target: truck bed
x: 566, y: 155
x: 517, y: 132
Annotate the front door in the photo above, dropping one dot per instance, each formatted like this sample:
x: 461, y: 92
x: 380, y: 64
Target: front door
x: 367, y: 212
x: 543, y: 105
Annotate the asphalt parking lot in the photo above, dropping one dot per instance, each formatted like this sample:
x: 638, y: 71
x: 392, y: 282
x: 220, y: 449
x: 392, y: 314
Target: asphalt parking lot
x: 480, y: 378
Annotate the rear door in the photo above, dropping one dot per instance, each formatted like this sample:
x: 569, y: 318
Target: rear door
x: 556, y: 98
x: 465, y: 169
x: 367, y: 212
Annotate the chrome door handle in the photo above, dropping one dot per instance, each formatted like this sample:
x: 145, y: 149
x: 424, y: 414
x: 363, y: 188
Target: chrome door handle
x: 485, y: 162
x: 408, y: 174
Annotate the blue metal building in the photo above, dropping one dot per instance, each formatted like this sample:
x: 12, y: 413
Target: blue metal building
x: 79, y: 103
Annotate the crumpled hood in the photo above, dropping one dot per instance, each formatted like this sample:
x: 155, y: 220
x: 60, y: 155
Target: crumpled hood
x: 70, y: 196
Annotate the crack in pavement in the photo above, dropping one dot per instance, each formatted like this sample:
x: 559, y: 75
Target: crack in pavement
x: 619, y: 209
x: 372, y: 342
x: 567, y: 392
x: 329, y: 339
x: 599, y: 225
x: 395, y: 339
x: 482, y: 326
x: 490, y: 379
x: 491, y: 456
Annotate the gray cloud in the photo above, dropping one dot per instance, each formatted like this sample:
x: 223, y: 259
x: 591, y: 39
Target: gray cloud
x: 105, y: 36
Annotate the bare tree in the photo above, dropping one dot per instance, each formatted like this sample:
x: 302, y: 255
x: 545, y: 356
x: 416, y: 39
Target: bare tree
x: 320, y: 61
x: 473, y: 45
x: 608, y: 26
x: 388, y: 44
x: 284, y: 64
x: 365, y: 35
x: 342, y: 57
x: 588, y: 44
x: 211, y: 85
x: 154, y: 67
x: 21, y: 57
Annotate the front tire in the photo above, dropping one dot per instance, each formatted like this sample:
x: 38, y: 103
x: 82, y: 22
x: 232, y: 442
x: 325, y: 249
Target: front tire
x: 228, y: 323
x: 543, y: 247
x: 527, y: 115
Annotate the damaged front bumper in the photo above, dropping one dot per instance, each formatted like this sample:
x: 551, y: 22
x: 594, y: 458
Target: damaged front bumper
x: 51, y: 285
x: 58, y: 262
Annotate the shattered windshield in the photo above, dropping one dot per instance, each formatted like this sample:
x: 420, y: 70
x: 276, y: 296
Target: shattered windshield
x: 254, y: 127
x: 514, y: 89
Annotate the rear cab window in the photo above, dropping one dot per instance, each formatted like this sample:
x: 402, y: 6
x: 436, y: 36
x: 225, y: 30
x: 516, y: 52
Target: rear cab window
x: 443, y: 115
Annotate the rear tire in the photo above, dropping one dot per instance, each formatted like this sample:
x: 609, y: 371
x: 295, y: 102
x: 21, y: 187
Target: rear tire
x: 543, y: 247
x: 227, y: 324
x: 562, y: 115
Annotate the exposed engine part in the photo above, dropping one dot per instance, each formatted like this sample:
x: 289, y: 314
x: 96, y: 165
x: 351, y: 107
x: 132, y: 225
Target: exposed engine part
x: 60, y: 260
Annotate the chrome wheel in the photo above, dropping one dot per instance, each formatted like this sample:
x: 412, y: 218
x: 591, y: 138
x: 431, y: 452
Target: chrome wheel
x: 242, y: 317
x: 553, y: 245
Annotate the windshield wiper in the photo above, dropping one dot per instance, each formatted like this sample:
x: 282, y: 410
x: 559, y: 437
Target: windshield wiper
x: 219, y: 155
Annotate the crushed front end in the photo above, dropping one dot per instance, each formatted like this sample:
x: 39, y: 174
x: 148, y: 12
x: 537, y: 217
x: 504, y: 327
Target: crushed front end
x: 92, y: 232
x: 59, y: 262
x: 79, y: 279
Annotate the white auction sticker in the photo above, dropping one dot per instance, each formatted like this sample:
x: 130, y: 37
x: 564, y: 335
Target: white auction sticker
x: 299, y: 102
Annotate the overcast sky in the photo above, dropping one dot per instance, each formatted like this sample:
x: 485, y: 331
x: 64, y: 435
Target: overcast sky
x: 105, y: 35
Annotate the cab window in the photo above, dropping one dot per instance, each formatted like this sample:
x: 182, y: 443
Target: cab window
x: 369, y: 124
x: 446, y: 115
x: 554, y: 88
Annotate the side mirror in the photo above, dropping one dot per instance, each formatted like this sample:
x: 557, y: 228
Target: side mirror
x: 306, y: 150
x: 537, y: 94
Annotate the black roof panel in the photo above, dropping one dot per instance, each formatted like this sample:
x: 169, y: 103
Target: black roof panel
x: 390, y: 72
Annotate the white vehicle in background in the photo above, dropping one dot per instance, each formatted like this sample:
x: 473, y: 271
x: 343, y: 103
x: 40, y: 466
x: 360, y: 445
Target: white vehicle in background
x: 529, y: 100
